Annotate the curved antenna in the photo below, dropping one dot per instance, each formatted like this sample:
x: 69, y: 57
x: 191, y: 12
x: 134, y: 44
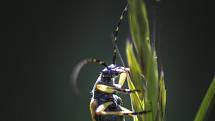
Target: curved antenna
x: 78, y: 68
x: 115, y: 48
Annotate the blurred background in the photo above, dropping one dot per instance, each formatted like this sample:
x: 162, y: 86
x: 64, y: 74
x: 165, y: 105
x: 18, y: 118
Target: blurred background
x: 42, y: 40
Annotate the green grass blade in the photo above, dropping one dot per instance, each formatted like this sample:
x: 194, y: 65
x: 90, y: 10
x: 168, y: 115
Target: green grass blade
x: 206, y: 102
x: 162, y: 97
x: 145, y: 55
x: 136, y: 70
x: 136, y: 98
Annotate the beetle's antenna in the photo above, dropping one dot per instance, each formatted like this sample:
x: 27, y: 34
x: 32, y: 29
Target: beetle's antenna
x: 123, y: 63
x: 115, y: 34
x: 78, y: 68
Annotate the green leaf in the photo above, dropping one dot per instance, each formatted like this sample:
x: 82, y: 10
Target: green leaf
x: 136, y: 99
x: 144, y: 69
x: 136, y: 70
x: 162, y: 96
x: 206, y: 102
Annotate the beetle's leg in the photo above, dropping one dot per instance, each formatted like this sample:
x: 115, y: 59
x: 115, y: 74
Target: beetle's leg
x: 105, y: 88
x: 93, y: 104
x: 131, y: 113
x: 122, y: 78
x: 101, y: 111
x: 126, y: 91
x: 112, y: 89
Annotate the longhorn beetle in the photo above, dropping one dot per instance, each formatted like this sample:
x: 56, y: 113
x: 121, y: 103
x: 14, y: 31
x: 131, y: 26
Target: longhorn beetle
x: 105, y: 105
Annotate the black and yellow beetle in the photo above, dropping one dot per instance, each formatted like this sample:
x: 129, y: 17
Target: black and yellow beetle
x: 105, y: 105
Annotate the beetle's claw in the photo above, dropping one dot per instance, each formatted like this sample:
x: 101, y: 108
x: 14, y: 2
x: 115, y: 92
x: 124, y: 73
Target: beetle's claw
x: 140, y: 113
x: 136, y: 90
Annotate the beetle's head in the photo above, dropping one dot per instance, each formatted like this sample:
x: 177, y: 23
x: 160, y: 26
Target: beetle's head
x: 110, y: 71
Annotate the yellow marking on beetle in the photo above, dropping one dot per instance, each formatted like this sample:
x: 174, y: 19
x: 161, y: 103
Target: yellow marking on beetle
x: 105, y: 88
x: 122, y: 78
x: 101, y: 110
x: 126, y: 110
x: 93, y: 104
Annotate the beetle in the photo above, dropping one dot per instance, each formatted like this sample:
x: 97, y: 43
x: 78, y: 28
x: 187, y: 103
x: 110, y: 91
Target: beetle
x: 105, y: 105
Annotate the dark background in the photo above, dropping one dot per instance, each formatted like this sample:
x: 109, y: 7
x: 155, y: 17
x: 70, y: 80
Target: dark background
x: 42, y: 40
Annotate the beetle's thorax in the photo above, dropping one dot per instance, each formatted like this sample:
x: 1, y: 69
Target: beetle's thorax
x: 107, y: 80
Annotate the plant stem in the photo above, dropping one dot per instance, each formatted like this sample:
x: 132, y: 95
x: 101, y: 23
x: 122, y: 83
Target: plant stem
x: 206, y: 102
